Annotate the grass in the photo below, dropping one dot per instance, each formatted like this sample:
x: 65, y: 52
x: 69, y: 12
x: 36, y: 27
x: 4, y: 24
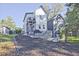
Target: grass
x: 6, y: 37
x: 73, y: 39
x: 6, y: 44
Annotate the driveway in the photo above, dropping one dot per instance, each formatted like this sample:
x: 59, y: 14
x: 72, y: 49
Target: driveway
x: 27, y: 46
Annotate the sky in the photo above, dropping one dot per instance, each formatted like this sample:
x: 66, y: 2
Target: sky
x: 17, y: 11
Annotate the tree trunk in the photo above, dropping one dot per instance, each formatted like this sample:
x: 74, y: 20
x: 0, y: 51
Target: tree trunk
x: 65, y: 35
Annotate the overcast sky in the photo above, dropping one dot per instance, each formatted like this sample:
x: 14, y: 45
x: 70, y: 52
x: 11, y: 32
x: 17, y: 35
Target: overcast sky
x: 17, y: 11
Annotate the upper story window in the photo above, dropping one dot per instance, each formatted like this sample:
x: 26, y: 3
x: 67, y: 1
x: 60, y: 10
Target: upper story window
x: 39, y: 27
x: 43, y: 26
x: 29, y: 18
x: 41, y: 17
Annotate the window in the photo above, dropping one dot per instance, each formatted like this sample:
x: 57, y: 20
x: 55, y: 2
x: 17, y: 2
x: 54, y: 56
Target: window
x: 29, y: 18
x: 43, y: 26
x: 39, y: 27
x: 41, y: 17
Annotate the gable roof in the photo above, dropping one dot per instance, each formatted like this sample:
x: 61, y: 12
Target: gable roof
x: 5, y: 27
x: 43, y: 8
x: 57, y: 16
x: 33, y: 12
x: 27, y: 14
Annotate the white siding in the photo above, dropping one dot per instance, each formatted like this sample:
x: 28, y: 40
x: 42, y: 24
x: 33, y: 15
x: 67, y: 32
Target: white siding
x: 41, y: 22
x: 25, y: 29
x: 39, y: 11
x: 4, y: 30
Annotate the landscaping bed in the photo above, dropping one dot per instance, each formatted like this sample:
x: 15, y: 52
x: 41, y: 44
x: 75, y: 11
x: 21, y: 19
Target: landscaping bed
x: 6, y: 47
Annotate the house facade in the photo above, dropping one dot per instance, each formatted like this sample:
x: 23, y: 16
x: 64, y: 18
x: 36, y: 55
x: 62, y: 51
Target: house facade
x: 58, y: 23
x: 29, y: 23
x: 41, y: 19
x: 4, y: 30
x: 37, y: 23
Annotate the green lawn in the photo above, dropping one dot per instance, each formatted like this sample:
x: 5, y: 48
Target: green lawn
x: 73, y: 39
x: 6, y: 37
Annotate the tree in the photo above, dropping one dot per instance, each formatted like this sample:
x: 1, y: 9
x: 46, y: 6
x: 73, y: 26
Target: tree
x: 8, y: 21
x: 1, y: 22
x: 72, y: 18
x: 18, y: 30
x: 55, y: 8
x: 46, y: 7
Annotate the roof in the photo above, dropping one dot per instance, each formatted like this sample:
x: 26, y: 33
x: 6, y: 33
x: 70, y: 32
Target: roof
x: 59, y: 15
x: 5, y: 27
x: 27, y: 14
x: 33, y: 12
x: 43, y: 8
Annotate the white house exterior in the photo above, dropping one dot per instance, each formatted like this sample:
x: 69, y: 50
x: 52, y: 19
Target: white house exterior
x: 29, y: 23
x: 4, y: 30
x: 41, y: 19
x: 58, y: 23
x: 36, y: 23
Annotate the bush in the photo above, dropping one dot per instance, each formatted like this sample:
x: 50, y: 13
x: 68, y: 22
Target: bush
x: 18, y: 31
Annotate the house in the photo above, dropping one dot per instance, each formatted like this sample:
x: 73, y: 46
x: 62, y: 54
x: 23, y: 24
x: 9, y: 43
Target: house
x: 29, y: 23
x: 4, y: 30
x: 41, y: 19
x: 55, y: 24
x: 37, y: 23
